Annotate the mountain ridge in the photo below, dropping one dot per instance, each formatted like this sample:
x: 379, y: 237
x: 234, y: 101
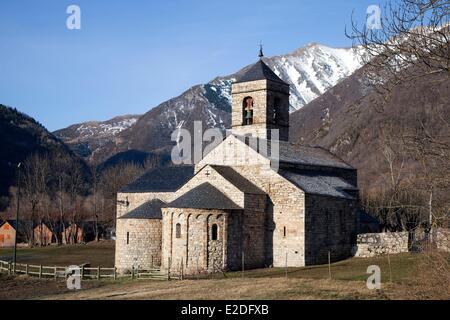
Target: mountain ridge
x: 310, y: 70
x: 20, y: 137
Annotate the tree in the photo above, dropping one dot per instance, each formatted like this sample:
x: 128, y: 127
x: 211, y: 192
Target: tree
x: 413, y: 45
x: 94, y: 201
x: 60, y: 174
x: 113, y: 179
x: 35, y: 178
x: 413, y: 42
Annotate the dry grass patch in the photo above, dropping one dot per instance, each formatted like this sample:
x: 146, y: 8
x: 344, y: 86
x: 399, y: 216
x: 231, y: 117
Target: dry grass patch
x: 234, y: 289
x: 94, y: 253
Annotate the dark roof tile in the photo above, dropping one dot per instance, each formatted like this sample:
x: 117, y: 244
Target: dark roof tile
x: 149, y: 210
x: 259, y: 71
x: 165, y: 179
x: 204, y: 196
x: 315, y: 183
x: 297, y: 154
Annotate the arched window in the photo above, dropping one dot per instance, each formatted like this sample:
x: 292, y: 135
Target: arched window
x: 178, y: 230
x: 214, y: 232
x: 276, y: 110
x: 247, y: 111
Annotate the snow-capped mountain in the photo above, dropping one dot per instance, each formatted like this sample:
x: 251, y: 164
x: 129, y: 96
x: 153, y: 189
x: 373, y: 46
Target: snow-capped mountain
x: 310, y: 70
x: 85, y: 138
x: 313, y: 70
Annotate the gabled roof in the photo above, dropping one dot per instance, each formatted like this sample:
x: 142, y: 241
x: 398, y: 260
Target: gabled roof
x: 237, y: 180
x: 149, y: 210
x: 297, y: 154
x: 166, y: 179
x: 321, y: 184
x: 204, y: 196
x: 259, y: 71
x: 24, y: 225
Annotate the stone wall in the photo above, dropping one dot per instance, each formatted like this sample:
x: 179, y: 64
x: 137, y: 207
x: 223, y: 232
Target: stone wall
x: 144, y: 247
x: 130, y: 201
x: 251, y: 233
x: 284, y: 212
x: 442, y: 239
x: 284, y: 216
x: 235, y: 153
x: 284, y: 235
x: 264, y: 93
x: 138, y: 244
x: 330, y: 226
x: 374, y: 244
x: 192, y: 249
x: 208, y: 174
x: 239, y: 232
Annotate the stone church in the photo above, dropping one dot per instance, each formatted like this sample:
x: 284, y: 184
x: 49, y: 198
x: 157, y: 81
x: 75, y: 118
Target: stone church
x: 254, y: 199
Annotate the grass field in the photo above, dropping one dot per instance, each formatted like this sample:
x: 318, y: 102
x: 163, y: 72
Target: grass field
x: 96, y: 254
x: 348, y: 280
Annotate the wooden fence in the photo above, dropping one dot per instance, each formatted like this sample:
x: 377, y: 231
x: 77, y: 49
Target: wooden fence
x: 86, y: 272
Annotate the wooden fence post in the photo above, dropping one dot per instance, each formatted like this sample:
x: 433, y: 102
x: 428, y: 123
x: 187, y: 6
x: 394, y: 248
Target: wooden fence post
x: 40, y: 271
x: 329, y: 264
x: 98, y: 273
x: 286, y: 266
x: 390, y: 269
x: 243, y: 264
x: 56, y: 273
x: 26, y: 269
x: 198, y: 271
x: 168, y: 268
x: 115, y: 273
x: 82, y: 272
x: 9, y: 268
x: 182, y: 271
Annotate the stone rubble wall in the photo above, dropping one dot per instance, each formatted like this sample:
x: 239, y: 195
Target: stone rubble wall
x: 284, y: 235
x: 265, y: 94
x: 374, y: 244
x: 143, y: 249
x: 194, y: 251
x: 234, y: 153
x: 330, y: 228
x: 441, y: 237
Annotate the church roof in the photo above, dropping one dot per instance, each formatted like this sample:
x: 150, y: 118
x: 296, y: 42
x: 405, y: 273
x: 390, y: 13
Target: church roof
x: 237, y: 180
x: 321, y: 184
x: 149, y: 210
x: 259, y: 71
x: 204, y: 196
x: 299, y: 154
x: 166, y: 179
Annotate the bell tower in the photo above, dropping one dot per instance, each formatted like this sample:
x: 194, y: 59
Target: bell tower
x: 260, y: 103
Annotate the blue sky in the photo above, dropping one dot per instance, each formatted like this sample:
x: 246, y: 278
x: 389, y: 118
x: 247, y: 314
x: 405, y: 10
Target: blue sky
x: 129, y: 56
